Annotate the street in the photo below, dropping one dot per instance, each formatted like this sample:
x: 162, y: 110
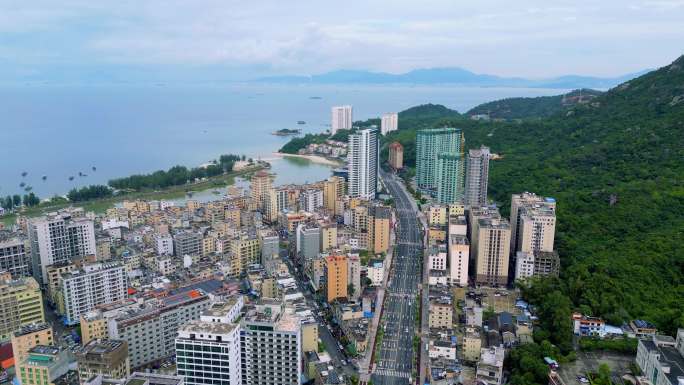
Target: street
x: 394, y: 359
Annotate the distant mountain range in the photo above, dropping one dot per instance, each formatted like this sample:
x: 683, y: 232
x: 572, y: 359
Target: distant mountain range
x: 457, y: 76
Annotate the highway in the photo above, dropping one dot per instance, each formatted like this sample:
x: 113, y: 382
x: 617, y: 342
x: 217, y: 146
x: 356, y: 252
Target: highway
x: 394, y: 359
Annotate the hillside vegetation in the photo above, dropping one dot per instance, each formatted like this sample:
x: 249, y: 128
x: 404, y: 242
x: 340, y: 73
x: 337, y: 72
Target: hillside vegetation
x: 616, y: 168
x: 537, y: 107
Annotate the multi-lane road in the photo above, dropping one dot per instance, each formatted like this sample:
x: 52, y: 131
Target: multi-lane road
x: 395, y: 363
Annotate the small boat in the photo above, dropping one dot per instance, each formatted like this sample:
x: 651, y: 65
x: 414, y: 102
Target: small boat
x: 315, y: 97
x: 94, y: 168
x: 44, y: 177
x: 71, y: 178
x: 22, y: 184
x: 301, y: 122
x: 23, y: 174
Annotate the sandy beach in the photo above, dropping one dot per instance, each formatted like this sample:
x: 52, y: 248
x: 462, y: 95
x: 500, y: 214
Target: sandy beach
x: 313, y: 158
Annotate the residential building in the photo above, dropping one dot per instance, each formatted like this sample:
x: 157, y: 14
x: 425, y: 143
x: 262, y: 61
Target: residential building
x: 269, y: 244
x: 164, y: 244
x: 150, y: 328
x: 311, y: 200
x: 363, y: 163
x: 459, y: 257
x: 437, y: 258
x: 396, y: 156
x: 139, y: 378
x: 308, y: 241
x: 441, y: 314
x: 492, y: 252
x: 245, y: 249
x: 536, y: 264
x: 437, y: 215
x: 309, y: 335
x: 329, y: 236
x: 21, y: 304
x: 333, y: 189
x: 95, y: 284
x: 379, y: 218
x: 661, y: 359
x: 187, y: 243
x: 59, y: 238
x: 490, y: 366
x: 477, y: 176
x: 14, y: 257
x: 342, y: 119
x: 260, y: 186
x: 104, y: 357
x: 44, y: 365
x: 29, y: 337
x: 389, y: 122
x: 450, y: 184
x: 354, y: 275
x: 271, y: 346
x: 520, y: 204
x: 472, y: 345
x: 429, y: 145
x: 93, y: 326
x: 375, y: 272
x: 587, y: 326
x: 337, y: 277
x: 222, y: 340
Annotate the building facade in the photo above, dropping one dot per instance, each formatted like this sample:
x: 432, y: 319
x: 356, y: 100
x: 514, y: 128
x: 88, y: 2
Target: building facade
x: 429, y: 145
x: 342, y: 118
x: 21, y: 304
x: 396, y: 156
x: 492, y: 256
x: 363, y: 162
x: 450, y: 184
x: 389, y: 122
x: 195, y: 339
x: 96, y: 284
x: 477, y: 176
x: 107, y: 358
x: 14, y: 257
x: 337, y: 277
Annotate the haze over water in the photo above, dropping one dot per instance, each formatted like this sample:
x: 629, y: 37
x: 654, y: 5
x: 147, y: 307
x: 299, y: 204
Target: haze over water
x: 58, y: 131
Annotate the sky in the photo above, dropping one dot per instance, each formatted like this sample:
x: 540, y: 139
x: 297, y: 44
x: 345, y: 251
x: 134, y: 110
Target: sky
x: 180, y: 39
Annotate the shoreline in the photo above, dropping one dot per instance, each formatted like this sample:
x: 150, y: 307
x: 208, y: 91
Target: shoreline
x: 171, y: 192
x: 312, y: 158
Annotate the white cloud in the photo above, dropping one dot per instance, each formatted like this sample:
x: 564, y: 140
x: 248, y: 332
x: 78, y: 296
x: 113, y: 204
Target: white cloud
x: 529, y: 38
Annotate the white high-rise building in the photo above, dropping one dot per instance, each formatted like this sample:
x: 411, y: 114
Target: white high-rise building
x: 271, y: 342
x: 389, y: 122
x: 96, y: 284
x: 342, y: 118
x: 363, y: 162
x: 477, y: 175
x: 539, y: 213
x: 459, y: 254
x: 311, y: 200
x: 59, y: 238
x: 164, y: 244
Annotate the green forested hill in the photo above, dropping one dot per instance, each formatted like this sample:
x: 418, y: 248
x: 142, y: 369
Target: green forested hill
x: 616, y: 167
x: 537, y: 107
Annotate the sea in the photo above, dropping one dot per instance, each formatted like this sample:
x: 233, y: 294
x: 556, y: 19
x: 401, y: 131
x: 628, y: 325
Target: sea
x: 111, y: 131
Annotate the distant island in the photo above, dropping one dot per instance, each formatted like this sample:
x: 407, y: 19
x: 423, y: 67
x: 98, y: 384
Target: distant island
x: 451, y: 75
x: 287, y: 132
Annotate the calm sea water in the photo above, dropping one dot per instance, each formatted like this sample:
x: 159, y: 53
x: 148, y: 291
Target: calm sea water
x: 59, y: 131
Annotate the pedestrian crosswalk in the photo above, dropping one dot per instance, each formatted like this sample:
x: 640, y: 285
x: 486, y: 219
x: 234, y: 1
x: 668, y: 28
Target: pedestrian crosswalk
x: 392, y: 373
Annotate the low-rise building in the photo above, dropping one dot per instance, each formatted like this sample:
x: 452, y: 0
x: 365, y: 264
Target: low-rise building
x: 28, y: 337
x: 108, y: 358
x: 43, y: 365
x: 661, y: 359
x: 441, y: 314
x: 21, y: 304
x: 490, y: 367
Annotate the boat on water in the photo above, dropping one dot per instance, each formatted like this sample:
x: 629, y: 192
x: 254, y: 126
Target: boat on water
x: 315, y: 97
x: 301, y: 122
x: 287, y: 132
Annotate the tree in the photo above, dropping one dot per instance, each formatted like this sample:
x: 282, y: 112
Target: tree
x: 16, y: 200
x: 7, y: 203
x: 31, y: 200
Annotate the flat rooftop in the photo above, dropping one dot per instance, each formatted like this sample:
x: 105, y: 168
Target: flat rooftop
x: 207, y: 327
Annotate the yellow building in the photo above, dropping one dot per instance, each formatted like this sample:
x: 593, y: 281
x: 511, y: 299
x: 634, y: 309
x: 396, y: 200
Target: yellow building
x: 269, y: 288
x: 336, y: 277
x: 29, y: 337
x: 456, y: 209
x: 472, y: 343
x: 436, y: 234
x: 437, y: 215
x: 379, y: 229
x: 43, y: 365
x: 441, y: 315
x: 310, y: 336
x: 21, y: 304
x: 93, y: 326
x: 208, y: 245
x: 54, y: 274
x: 246, y: 250
x: 333, y: 189
x: 396, y: 155
x: 260, y: 185
x: 328, y: 237
x: 233, y: 214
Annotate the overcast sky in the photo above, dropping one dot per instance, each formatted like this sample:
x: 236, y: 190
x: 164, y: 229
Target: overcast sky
x: 531, y: 38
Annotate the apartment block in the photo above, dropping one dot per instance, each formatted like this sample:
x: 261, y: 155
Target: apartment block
x: 95, y: 284
x: 661, y: 359
x: 333, y: 189
x: 477, y: 176
x: 59, y: 238
x: 29, y: 337
x: 342, y: 118
x: 520, y: 205
x: 396, y: 156
x: 363, y: 163
x: 354, y: 275
x: 14, y: 257
x: 441, y: 315
x: 271, y: 346
x: 429, y: 145
x: 459, y: 257
x: 44, y: 365
x: 187, y: 243
x: 492, y: 255
x: 389, y: 122
x: 21, y: 304
x: 195, y: 338
x: 337, y: 277
x: 104, y: 357
x: 490, y: 367
x: 450, y: 178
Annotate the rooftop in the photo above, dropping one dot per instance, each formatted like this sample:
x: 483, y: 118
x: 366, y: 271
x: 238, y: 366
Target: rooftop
x: 207, y: 327
x: 32, y: 328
